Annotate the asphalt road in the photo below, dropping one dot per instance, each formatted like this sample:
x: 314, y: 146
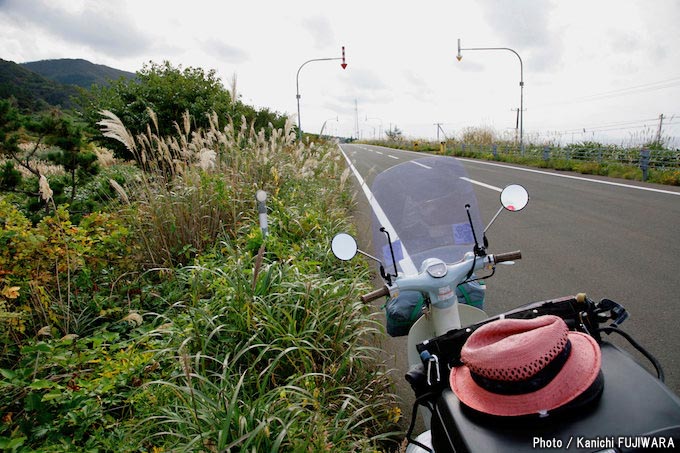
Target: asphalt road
x: 607, y: 237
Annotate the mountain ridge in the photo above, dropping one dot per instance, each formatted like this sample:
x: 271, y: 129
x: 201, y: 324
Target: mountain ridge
x: 39, y: 85
x: 76, y: 71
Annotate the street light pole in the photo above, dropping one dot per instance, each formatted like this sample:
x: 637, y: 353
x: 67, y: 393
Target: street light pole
x: 381, y: 126
x: 521, y: 86
x: 297, y: 84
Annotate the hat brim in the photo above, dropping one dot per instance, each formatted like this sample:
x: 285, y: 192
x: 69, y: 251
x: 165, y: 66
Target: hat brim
x: 577, y: 374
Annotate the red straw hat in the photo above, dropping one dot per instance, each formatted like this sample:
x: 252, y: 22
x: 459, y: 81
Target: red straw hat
x: 518, y: 367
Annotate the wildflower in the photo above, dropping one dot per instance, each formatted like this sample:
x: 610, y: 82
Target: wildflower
x: 11, y: 292
x: 394, y: 414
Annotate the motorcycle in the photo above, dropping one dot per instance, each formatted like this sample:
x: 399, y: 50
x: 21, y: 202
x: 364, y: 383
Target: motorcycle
x: 428, y: 236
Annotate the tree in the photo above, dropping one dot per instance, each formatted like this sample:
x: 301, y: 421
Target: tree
x: 52, y: 128
x: 167, y: 90
x: 170, y: 92
x: 79, y: 165
x: 394, y: 133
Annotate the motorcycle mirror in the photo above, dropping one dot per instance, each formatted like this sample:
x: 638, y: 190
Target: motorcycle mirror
x: 514, y: 197
x: 344, y: 246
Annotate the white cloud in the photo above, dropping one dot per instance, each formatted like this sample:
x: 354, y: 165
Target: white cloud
x: 402, y: 67
x: 225, y: 52
x: 526, y: 26
x: 99, y: 25
x: 321, y: 30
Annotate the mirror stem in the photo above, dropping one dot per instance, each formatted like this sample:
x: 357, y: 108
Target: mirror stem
x: 386, y: 277
x: 494, y: 219
x: 389, y: 241
x: 479, y: 251
x: 369, y: 256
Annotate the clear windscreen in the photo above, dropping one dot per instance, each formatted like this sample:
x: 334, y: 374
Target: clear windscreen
x: 423, y: 208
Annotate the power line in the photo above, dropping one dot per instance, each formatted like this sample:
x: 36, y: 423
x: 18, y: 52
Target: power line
x: 637, y: 89
x: 606, y: 125
x: 593, y: 129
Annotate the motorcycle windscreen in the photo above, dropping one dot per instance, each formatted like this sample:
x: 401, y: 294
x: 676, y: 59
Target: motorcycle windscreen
x: 423, y: 202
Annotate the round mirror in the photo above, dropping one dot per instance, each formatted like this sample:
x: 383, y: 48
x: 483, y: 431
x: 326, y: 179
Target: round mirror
x: 344, y: 246
x: 514, y: 197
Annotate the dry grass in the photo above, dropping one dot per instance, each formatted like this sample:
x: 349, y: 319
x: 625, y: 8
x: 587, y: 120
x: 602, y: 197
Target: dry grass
x: 42, y: 166
x: 198, y: 185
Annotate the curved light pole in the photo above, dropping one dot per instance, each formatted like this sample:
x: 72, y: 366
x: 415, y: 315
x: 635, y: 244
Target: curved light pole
x: 521, y: 86
x: 297, y: 84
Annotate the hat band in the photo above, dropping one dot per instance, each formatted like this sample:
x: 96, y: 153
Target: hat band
x: 534, y: 383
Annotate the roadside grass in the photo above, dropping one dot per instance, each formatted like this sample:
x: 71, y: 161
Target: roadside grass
x: 586, y: 159
x: 171, y: 324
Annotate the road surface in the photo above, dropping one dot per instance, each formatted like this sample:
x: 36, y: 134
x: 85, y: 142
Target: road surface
x: 607, y: 237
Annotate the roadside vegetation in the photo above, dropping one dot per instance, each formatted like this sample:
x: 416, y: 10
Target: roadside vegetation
x: 141, y: 309
x: 586, y: 157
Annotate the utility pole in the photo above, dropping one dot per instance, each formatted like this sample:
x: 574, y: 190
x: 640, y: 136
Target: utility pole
x: 356, y: 115
x: 658, y: 132
x: 439, y: 128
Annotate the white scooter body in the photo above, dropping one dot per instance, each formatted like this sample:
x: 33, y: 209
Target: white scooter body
x: 422, y: 330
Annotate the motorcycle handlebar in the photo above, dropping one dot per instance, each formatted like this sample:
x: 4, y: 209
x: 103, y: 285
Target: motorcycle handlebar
x: 378, y: 293
x: 384, y: 291
x: 510, y: 256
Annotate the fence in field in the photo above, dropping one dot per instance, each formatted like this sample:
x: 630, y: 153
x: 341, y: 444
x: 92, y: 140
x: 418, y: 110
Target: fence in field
x: 642, y: 158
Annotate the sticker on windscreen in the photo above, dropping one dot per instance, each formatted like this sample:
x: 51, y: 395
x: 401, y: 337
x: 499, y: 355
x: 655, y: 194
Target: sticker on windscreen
x: 462, y: 234
x: 398, y: 252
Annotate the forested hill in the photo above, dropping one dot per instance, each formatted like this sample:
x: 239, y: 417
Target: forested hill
x: 32, y: 91
x: 43, y: 84
x: 78, y: 72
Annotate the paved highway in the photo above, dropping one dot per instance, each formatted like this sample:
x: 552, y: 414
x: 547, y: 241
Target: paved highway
x: 607, y: 237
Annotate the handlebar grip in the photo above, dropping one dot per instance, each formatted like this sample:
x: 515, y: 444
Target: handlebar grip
x: 384, y: 291
x: 510, y: 256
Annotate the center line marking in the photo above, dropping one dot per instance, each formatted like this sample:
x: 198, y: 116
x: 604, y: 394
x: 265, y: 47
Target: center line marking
x: 422, y: 165
x: 393, y: 157
x: 488, y: 186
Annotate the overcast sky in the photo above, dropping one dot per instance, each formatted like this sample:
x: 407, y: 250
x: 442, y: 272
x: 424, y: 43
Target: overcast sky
x: 609, y: 67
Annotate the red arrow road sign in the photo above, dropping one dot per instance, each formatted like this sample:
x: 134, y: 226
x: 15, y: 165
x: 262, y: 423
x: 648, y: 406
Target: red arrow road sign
x: 343, y: 64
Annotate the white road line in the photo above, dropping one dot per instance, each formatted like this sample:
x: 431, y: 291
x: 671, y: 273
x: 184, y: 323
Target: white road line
x: 579, y: 178
x: 393, y: 157
x: 378, y: 152
x: 407, y: 263
x: 422, y: 165
x: 479, y: 183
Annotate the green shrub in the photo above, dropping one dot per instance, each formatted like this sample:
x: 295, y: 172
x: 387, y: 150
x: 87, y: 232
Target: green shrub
x: 257, y: 342
x: 56, y: 267
x: 668, y: 176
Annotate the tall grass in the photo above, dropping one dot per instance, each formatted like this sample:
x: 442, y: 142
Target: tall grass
x: 262, y: 344
x: 283, y: 366
x: 196, y: 186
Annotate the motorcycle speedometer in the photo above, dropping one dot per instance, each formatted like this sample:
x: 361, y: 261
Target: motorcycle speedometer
x: 437, y: 269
